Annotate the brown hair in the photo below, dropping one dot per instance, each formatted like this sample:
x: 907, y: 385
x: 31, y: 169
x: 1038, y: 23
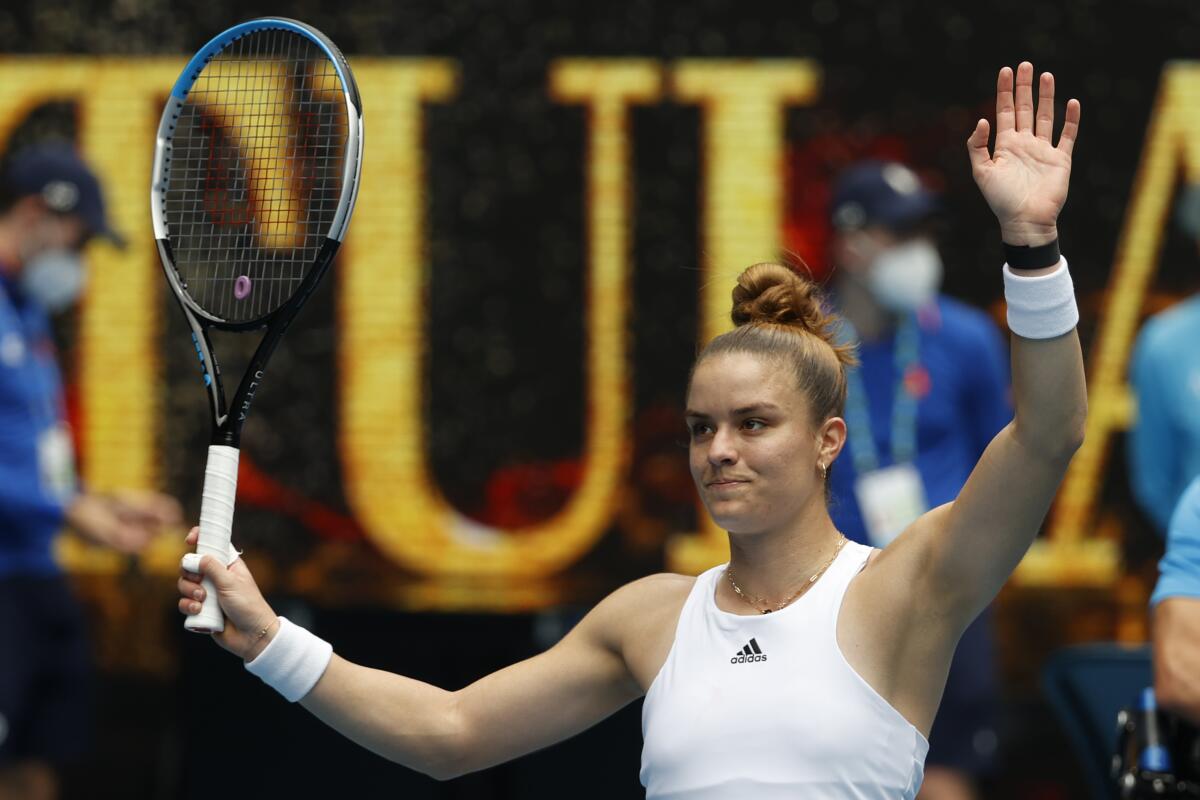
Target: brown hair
x: 781, y: 314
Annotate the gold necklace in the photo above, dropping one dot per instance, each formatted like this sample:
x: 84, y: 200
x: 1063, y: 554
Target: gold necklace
x: 756, y: 602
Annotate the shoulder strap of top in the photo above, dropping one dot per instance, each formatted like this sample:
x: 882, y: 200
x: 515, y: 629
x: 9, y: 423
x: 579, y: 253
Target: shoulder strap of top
x: 703, y: 589
x: 837, y: 578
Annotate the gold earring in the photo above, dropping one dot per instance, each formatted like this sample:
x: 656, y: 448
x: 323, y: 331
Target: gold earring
x: 824, y: 471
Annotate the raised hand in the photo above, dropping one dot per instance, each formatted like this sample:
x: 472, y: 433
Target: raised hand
x: 1025, y: 180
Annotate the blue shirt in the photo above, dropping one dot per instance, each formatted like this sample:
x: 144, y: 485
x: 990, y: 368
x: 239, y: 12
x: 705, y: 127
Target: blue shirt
x: 1164, y: 445
x: 31, y: 404
x: 1179, y: 570
x: 961, y: 385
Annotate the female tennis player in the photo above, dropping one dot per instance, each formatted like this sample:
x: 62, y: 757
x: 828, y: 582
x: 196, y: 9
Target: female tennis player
x: 832, y: 693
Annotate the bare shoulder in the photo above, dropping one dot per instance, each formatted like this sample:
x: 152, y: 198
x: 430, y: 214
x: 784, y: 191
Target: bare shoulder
x: 643, y: 600
x: 638, y: 621
x: 890, y: 597
x: 660, y: 587
x: 895, y: 571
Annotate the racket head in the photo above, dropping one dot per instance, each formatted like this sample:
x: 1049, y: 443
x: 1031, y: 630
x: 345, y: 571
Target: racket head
x: 256, y: 170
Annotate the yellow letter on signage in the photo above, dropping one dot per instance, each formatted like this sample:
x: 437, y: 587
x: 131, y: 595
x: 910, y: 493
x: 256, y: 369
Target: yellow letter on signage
x: 743, y: 106
x: 388, y: 480
x: 1071, y: 552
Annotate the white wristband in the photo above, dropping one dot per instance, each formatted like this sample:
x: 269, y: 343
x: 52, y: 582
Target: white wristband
x: 1042, y: 306
x: 293, y: 661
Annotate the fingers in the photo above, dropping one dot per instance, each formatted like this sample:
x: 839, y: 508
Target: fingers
x: 189, y: 588
x: 193, y: 536
x: 1015, y: 111
x: 191, y: 593
x: 165, y: 509
x: 129, y: 539
x: 1005, y: 114
x: 189, y: 607
x: 1066, y: 140
x: 217, y: 572
x: 1024, y: 96
x: 1044, y: 127
x: 977, y: 145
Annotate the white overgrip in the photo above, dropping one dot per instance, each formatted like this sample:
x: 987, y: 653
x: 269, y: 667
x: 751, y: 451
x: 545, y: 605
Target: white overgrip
x: 216, y: 530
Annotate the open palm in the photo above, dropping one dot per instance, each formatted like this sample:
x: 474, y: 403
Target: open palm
x: 1025, y: 180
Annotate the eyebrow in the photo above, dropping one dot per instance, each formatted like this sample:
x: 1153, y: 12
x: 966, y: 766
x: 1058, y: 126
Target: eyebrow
x: 737, y: 412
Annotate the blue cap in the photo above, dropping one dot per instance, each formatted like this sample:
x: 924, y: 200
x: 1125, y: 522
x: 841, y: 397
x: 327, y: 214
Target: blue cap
x: 880, y: 193
x: 65, y: 183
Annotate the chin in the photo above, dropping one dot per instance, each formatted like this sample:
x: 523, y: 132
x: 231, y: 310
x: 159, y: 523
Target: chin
x: 730, y: 521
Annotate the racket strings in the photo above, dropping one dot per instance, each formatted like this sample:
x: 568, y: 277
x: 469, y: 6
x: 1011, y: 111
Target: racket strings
x: 256, y: 173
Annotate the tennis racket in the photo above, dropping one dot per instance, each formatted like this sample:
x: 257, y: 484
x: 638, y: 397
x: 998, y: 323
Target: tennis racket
x: 256, y: 170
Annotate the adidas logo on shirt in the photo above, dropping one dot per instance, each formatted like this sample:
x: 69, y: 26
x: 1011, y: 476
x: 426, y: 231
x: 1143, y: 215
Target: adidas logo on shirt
x: 749, y: 654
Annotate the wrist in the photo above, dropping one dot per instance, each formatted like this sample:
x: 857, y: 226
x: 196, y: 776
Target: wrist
x: 1029, y: 260
x: 1041, y: 306
x: 261, y: 637
x: 293, y: 663
x: 1026, y: 235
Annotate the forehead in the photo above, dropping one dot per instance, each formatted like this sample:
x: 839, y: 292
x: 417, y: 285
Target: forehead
x: 727, y: 381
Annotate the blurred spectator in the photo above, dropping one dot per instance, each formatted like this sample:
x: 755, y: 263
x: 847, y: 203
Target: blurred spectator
x: 51, y: 205
x: 931, y: 392
x: 1176, y: 604
x: 1164, y: 447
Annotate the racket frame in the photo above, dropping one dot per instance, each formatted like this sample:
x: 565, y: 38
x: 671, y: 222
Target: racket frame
x: 220, y: 481
x: 229, y: 415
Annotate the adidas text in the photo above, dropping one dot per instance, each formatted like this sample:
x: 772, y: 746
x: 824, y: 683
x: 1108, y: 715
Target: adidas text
x: 747, y: 659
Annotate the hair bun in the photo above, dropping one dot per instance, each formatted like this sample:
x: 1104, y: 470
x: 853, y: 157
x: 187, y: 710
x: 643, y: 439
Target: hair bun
x: 773, y: 294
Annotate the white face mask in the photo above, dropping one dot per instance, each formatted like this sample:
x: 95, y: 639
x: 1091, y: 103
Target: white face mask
x: 906, y: 277
x: 54, y: 279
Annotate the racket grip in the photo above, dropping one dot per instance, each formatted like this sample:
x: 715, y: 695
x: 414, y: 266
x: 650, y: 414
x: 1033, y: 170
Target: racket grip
x: 216, y: 530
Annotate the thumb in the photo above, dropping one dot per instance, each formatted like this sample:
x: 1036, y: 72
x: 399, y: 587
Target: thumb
x: 977, y: 144
x: 217, y: 572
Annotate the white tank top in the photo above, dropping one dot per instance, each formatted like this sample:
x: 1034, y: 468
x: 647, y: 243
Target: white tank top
x: 766, y: 707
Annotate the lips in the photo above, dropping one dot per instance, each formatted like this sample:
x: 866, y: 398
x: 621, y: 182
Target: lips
x: 723, y: 482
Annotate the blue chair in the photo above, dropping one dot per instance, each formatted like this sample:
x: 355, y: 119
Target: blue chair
x: 1087, y: 686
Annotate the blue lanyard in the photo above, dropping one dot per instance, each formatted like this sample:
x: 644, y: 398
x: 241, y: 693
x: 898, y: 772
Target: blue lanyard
x: 861, y: 439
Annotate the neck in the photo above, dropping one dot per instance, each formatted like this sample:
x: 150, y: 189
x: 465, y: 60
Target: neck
x: 774, y: 564
x: 859, y: 307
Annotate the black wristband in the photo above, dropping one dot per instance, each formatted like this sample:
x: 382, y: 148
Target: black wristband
x: 1022, y: 256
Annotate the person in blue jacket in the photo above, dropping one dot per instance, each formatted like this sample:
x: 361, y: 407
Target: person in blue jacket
x: 1164, y: 444
x: 50, y: 206
x: 1176, y: 606
x: 931, y: 391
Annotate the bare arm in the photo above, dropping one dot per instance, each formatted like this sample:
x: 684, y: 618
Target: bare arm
x: 522, y: 708
x: 959, y: 555
x: 1177, y: 656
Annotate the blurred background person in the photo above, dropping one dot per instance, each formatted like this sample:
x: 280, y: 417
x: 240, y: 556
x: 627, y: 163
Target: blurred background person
x: 1176, y: 606
x: 1164, y: 443
x: 50, y: 208
x: 930, y: 393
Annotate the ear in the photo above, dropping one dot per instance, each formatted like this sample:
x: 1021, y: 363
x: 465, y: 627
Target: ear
x: 831, y: 438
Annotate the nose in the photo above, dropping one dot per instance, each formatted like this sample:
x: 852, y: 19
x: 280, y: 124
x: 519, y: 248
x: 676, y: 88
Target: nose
x: 721, y: 449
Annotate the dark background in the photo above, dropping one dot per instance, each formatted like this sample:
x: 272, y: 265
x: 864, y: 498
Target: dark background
x: 505, y: 386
